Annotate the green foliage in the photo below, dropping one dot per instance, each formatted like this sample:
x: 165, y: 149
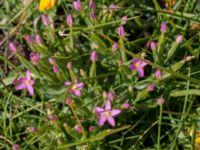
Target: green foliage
x: 26, y: 120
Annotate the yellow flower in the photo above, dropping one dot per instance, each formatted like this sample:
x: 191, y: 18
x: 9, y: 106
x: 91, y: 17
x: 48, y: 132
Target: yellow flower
x: 46, y: 4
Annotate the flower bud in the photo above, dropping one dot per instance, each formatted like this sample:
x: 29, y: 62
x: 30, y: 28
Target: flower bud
x: 69, y: 20
x: 45, y: 20
x: 35, y: 58
x: 94, y: 56
x: 158, y: 74
x: 179, y: 39
x: 38, y: 39
x: 125, y: 105
x: 91, y: 4
x: 120, y: 31
x: 12, y: 47
x: 151, y: 87
x: 114, y: 47
x: 29, y: 39
x: 160, y: 101
x: 163, y: 27
x: 77, y: 5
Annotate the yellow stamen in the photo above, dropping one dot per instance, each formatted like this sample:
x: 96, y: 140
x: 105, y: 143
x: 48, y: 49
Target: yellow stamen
x: 137, y: 65
x: 107, y: 113
x: 27, y: 82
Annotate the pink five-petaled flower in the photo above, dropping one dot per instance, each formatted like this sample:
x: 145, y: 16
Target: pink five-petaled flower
x: 107, y: 114
x: 26, y: 83
x: 75, y: 87
x: 138, y: 65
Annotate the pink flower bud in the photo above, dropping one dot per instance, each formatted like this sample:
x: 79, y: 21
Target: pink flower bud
x: 125, y: 105
x: 15, y: 147
x: 45, y: 20
x: 92, y: 15
x: 52, y: 61
x: 113, y: 7
x: 124, y: 20
x: 91, y: 128
x: 52, y: 117
x: 38, y: 39
x: 94, y: 56
x: 158, y: 74
x: 120, y: 31
x: 29, y: 39
x: 12, y: 47
x: 151, y: 87
x: 55, y: 69
x: 77, y: 5
x: 34, y: 130
x: 110, y: 96
x: 78, y: 128
x: 68, y: 101
x: 114, y: 47
x: 163, y: 27
x: 69, y: 65
x: 69, y: 20
x: 160, y: 101
x: 91, y: 4
x: 179, y: 39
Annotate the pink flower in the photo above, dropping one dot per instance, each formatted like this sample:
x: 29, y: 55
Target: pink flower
x: 26, y: 83
x: 179, y: 39
x: 114, y: 47
x: 77, y: 5
x: 125, y: 105
x: 107, y: 114
x: 35, y: 58
x: 120, y: 31
x: 12, y: 47
x: 94, y: 56
x: 78, y: 128
x: 75, y: 88
x: 151, y: 87
x: 69, y: 20
x: 34, y: 130
x: 138, y: 65
x: 163, y: 27
x: 158, y: 74
x: 91, y: 4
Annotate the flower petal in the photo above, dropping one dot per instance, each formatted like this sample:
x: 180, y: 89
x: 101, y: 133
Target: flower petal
x: 111, y: 121
x: 107, y: 106
x: 99, y: 110
x: 77, y: 93
x: 28, y: 75
x: 102, y: 120
x: 115, y: 112
x: 141, y: 72
x: 67, y: 83
x: 30, y: 90
x: 21, y: 86
x: 80, y: 85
